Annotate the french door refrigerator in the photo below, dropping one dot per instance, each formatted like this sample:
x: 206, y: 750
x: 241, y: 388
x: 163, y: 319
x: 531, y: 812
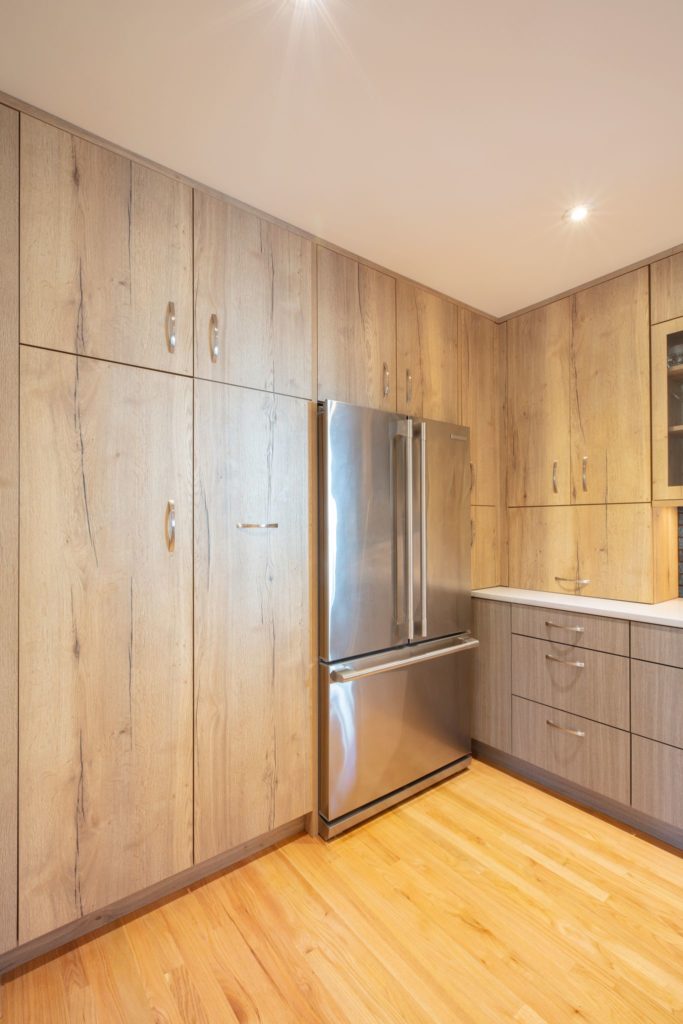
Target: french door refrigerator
x: 395, y: 605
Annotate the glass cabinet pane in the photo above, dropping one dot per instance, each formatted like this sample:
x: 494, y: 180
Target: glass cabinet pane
x: 674, y: 360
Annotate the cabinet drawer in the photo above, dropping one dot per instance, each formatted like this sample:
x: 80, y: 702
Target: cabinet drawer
x: 657, y: 702
x: 594, y: 631
x: 657, y: 771
x: 598, y: 759
x: 662, y: 644
x: 586, y: 683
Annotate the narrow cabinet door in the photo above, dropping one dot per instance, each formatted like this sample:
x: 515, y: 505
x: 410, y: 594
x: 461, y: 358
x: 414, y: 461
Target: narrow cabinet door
x: 253, y: 286
x: 106, y: 253
x: 253, y: 638
x: 356, y: 332
x: 483, y: 386
x: 105, y: 686
x: 427, y: 354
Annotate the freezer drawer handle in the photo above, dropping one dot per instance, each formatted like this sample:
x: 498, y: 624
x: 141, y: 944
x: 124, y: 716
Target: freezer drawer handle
x: 346, y: 675
x: 561, y: 661
x: 570, y: 629
x: 561, y: 728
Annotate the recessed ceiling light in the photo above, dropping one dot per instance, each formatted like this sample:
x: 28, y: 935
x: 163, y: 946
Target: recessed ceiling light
x: 577, y: 213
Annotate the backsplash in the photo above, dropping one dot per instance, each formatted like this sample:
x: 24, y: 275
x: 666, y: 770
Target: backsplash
x: 680, y: 552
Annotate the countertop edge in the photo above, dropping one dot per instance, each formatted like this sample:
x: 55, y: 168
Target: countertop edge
x: 668, y: 613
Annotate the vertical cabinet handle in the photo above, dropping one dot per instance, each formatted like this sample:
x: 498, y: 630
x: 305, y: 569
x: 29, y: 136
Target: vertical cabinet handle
x: 555, y: 487
x: 473, y: 533
x: 170, y: 326
x: 409, y: 386
x: 473, y: 477
x: 385, y: 373
x: 170, y: 524
x: 584, y: 472
x: 423, y: 526
x: 410, y: 609
x: 213, y: 337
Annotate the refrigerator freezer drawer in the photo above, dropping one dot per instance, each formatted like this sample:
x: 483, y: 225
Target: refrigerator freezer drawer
x: 381, y: 730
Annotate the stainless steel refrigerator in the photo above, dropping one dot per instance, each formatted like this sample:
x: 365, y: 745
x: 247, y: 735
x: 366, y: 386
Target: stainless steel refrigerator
x: 395, y: 646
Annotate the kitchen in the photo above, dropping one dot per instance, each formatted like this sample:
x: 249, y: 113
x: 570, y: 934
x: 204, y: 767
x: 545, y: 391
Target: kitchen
x: 176, y: 362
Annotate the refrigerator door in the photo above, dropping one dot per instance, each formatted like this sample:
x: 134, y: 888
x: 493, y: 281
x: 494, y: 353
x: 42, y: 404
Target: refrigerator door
x: 388, y: 721
x: 363, y: 542
x: 441, y: 529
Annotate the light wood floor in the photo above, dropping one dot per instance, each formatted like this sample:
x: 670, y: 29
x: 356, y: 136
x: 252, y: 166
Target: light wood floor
x: 481, y: 900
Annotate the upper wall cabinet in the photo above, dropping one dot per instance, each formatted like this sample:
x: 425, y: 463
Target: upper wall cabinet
x: 483, y: 379
x: 610, y: 392
x: 666, y: 289
x: 427, y: 354
x: 356, y: 332
x: 253, y: 301
x: 106, y: 253
x: 667, y: 411
x: 538, y: 405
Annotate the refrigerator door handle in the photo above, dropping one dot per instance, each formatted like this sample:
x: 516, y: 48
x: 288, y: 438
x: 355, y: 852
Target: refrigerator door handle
x: 423, y: 526
x: 347, y: 674
x: 409, y: 531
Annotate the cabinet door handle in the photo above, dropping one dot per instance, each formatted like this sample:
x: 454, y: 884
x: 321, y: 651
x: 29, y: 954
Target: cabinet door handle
x: 561, y: 728
x: 561, y: 661
x: 170, y: 524
x: 473, y: 477
x: 473, y: 532
x: 385, y: 372
x: 257, y: 526
x: 555, y: 487
x: 568, y: 579
x: 409, y: 386
x: 170, y: 326
x: 213, y: 337
x: 584, y: 472
x: 570, y: 629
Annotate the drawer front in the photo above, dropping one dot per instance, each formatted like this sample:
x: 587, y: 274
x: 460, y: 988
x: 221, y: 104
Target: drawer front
x: 657, y: 773
x: 657, y: 702
x: 592, y: 631
x: 599, y: 759
x: 662, y: 644
x: 587, y: 683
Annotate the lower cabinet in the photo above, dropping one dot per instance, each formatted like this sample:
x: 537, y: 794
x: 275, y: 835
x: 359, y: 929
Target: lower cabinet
x: 254, y: 595
x: 105, y: 682
x: 657, y: 773
x: 491, y: 688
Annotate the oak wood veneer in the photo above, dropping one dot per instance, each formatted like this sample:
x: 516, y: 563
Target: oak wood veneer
x: 666, y: 288
x: 427, y: 363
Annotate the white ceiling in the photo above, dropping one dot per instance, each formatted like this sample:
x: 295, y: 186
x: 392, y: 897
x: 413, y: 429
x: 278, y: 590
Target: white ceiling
x: 440, y: 138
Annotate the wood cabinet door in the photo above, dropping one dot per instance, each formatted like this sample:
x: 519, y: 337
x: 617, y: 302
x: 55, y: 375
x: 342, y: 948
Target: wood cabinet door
x: 106, y: 253
x: 427, y: 354
x: 254, y: 654
x: 542, y: 547
x: 253, y: 287
x: 491, y: 689
x: 105, y: 729
x: 356, y: 332
x: 486, y: 547
x: 666, y: 289
x: 9, y: 524
x: 538, y: 406
x: 483, y: 386
x: 610, y: 392
x: 667, y: 413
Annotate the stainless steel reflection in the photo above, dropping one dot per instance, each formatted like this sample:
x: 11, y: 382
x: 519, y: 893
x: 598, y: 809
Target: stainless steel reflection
x: 378, y: 663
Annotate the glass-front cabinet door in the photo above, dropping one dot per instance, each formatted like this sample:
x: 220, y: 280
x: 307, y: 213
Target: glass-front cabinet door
x: 667, y: 411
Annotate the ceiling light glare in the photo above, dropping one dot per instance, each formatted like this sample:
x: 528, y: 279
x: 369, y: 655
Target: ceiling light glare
x: 577, y: 213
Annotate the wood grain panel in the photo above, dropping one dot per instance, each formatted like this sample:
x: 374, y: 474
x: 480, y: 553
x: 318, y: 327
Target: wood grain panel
x: 610, y: 391
x: 657, y: 702
x: 666, y: 288
x: 106, y: 245
x: 486, y: 547
x: 599, y: 759
x: 9, y: 518
x: 543, y: 544
x: 256, y: 278
x: 105, y: 745
x: 572, y: 628
x: 491, y: 693
x: 427, y: 354
x: 587, y: 683
x: 661, y: 644
x: 356, y: 332
x: 482, y: 378
x: 538, y: 405
x: 253, y: 643
x: 657, y: 771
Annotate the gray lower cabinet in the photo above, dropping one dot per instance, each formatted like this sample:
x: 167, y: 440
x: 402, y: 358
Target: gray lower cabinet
x: 491, y: 694
x: 657, y: 773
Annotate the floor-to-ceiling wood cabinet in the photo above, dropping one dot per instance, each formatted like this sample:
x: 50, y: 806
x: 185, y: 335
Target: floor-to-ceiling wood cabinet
x: 9, y: 525
x: 254, y: 599
x: 427, y: 354
x: 106, y: 253
x: 105, y: 731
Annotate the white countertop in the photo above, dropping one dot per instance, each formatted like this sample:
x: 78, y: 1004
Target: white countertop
x: 668, y: 613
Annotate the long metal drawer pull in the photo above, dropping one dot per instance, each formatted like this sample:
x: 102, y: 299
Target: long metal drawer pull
x: 561, y: 728
x: 347, y: 675
x: 385, y: 371
x: 410, y: 610
x: 569, y: 579
x: 257, y: 526
x: 570, y: 629
x: 170, y: 326
x: 423, y: 526
x: 561, y: 661
x: 170, y: 524
x: 213, y: 337
x: 473, y: 477
x: 555, y: 487
x: 584, y: 472
x: 409, y: 386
